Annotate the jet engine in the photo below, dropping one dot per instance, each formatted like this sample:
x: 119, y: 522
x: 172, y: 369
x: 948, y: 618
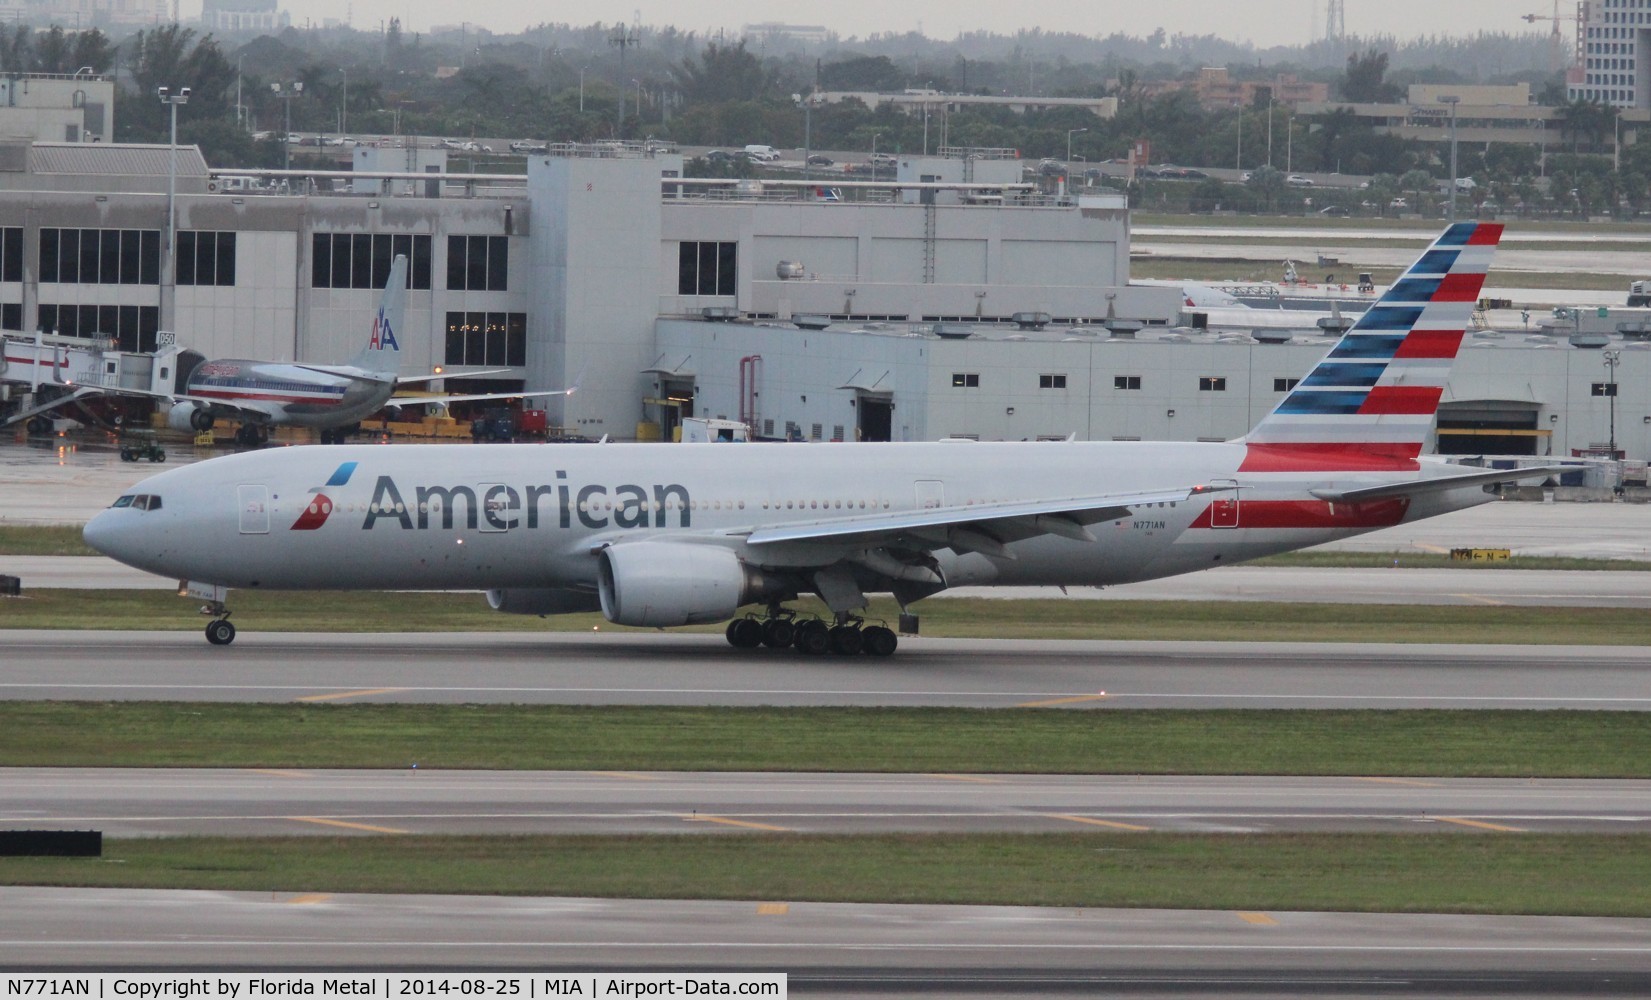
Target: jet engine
x: 189, y: 416
x: 542, y: 601
x: 655, y: 584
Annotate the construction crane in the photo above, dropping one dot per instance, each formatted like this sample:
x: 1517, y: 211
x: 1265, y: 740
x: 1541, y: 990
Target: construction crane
x: 1556, y: 50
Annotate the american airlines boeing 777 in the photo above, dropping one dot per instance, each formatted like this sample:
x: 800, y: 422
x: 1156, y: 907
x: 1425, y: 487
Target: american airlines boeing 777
x: 662, y: 535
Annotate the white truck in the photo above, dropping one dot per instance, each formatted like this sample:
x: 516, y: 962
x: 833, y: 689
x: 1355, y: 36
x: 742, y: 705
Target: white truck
x: 710, y: 430
x: 762, y: 153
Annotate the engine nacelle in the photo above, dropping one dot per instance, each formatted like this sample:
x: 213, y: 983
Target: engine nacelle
x: 655, y: 584
x: 542, y: 601
x: 189, y: 416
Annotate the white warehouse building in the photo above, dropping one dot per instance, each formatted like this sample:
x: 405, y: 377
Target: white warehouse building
x: 950, y: 303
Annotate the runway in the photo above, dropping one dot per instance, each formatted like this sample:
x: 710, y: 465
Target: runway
x: 844, y: 950
x: 166, y: 802
x: 685, y: 669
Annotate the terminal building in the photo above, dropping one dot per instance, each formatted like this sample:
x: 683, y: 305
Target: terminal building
x: 953, y: 302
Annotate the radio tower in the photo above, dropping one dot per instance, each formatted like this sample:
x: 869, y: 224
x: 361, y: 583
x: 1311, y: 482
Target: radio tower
x: 1335, y: 22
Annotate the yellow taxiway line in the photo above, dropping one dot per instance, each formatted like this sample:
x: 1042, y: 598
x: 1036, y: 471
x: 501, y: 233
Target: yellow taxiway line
x: 348, y: 826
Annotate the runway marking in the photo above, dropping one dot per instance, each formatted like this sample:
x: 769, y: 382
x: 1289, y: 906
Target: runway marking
x: 348, y: 694
x: 279, y: 773
x: 967, y: 777
x: 1482, y: 600
x: 1480, y: 825
x: 1051, y: 702
x: 725, y: 821
x: 1098, y: 822
x: 773, y: 909
x: 1259, y: 919
x: 309, y: 899
x: 348, y: 826
x: 1435, y: 549
x: 1407, y: 782
x: 624, y: 774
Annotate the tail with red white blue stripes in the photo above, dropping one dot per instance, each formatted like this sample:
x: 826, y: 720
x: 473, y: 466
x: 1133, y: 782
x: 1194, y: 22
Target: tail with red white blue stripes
x: 1370, y: 404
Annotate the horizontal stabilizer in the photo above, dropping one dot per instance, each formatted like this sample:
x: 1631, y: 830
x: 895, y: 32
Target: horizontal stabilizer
x: 1441, y: 484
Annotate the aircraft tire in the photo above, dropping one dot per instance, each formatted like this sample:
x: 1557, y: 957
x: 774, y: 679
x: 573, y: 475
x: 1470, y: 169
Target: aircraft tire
x: 846, y: 640
x: 778, y: 633
x: 220, y: 632
x: 879, y: 641
x: 813, y: 638
x: 745, y: 633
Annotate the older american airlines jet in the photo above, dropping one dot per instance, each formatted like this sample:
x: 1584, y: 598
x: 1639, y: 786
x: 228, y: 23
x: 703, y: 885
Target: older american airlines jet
x: 660, y: 535
x: 330, y: 398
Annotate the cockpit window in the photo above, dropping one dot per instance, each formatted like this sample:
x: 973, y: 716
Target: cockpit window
x: 125, y: 501
x: 139, y: 501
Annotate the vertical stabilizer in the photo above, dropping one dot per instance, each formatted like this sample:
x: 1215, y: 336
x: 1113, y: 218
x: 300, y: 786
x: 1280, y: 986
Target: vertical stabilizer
x: 382, y: 355
x: 1371, y: 403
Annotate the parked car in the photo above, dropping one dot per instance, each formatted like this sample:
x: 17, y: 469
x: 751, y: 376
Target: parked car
x: 817, y: 160
x: 1335, y: 211
x: 529, y: 146
x: 883, y: 159
x: 1296, y: 180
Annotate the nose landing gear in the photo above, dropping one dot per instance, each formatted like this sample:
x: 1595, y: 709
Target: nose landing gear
x: 219, y: 631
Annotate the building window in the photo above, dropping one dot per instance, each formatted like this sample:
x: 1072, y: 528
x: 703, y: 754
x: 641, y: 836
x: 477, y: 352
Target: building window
x: 100, y: 256
x: 965, y: 380
x: 363, y: 260
x: 1212, y: 383
x: 486, y: 338
x: 1605, y: 388
x: 477, y: 263
x: 131, y: 327
x: 11, y: 316
x: 1126, y: 381
x: 1051, y: 381
x: 206, y: 258
x: 1285, y: 384
x: 707, y: 268
x: 11, y: 256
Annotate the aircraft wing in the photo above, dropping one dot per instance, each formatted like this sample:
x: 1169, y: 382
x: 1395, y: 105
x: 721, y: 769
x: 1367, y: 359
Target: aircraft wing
x: 219, y: 407
x: 984, y: 528
x: 1442, y: 483
x: 478, y: 373
x: 414, y: 400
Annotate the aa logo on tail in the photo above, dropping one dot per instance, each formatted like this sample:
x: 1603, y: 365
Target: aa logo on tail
x: 384, y: 338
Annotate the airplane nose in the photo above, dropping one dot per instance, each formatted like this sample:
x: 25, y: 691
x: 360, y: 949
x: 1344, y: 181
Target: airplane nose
x: 105, y: 533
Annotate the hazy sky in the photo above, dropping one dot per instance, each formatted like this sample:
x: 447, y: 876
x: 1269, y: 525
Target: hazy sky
x: 1262, y: 21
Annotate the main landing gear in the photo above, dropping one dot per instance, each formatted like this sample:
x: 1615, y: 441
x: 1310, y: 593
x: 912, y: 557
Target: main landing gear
x: 849, y: 635
x: 219, y: 631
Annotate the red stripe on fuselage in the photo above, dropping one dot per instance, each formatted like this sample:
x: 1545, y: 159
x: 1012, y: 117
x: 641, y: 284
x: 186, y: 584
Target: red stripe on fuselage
x: 265, y: 397
x: 1310, y: 514
x: 315, y: 514
x: 1402, y: 399
x: 1430, y: 344
x: 1331, y: 456
x: 1459, y: 288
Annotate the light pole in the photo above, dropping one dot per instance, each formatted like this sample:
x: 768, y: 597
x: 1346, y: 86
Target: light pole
x: 581, y: 90
x: 927, y: 89
x: 638, y: 86
x: 1290, y: 145
x: 874, y: 136
x: 1612, y: 359
x: 1453, y: 101
x: 1069, y: 134
x: 286, y: 91
x: 168, y: 264
x: 344, y: 105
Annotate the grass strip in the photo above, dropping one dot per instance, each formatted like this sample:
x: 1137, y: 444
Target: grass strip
x: 1395, y: 873
x: 1415, y: 743
x: 1347, y: 559
x: 982, y: 618
x: 44, y: 540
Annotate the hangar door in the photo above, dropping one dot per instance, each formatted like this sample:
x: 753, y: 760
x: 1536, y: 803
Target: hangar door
x: 1491, y: 427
